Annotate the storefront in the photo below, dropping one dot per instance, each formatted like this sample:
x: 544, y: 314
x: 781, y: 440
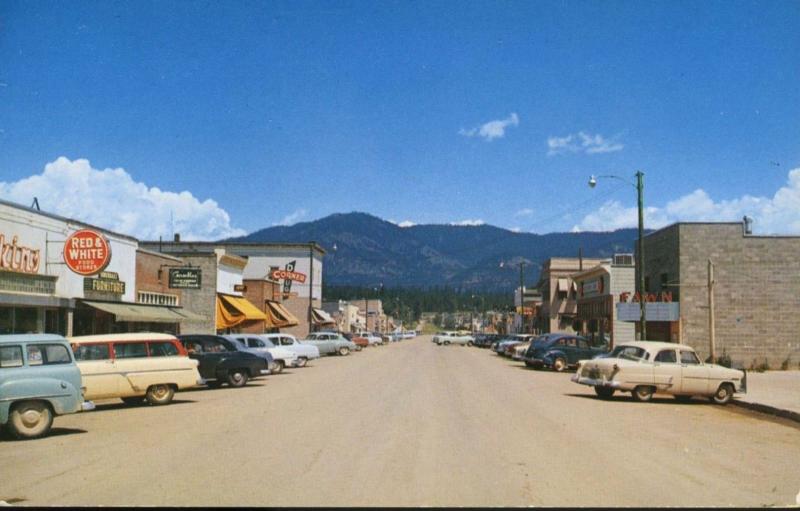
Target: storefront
x: 598, y: 292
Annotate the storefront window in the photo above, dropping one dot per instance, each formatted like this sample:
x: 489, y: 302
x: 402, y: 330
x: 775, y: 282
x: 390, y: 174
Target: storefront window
x: 26, y: 320
x: 6, y: 320
x: 55, y: 321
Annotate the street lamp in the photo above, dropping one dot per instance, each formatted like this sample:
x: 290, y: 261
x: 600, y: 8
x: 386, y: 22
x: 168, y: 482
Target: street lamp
x: 639, y: 185
x: 521, y: 264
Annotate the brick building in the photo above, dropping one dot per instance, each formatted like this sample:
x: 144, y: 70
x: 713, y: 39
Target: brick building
x: 756, y: 293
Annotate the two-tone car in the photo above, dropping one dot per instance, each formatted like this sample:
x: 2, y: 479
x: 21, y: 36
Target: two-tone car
x: 134, y: 367
x: 278, y: 358
x: 447, y: 338
x: 646, y: 367
x: 38, y: 380
x: 330, y: 343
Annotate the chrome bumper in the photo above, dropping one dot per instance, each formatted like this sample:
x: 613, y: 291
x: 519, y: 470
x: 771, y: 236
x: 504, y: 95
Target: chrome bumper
x: 87, y: 406
x: 583, y: 380
x: 264, y: 371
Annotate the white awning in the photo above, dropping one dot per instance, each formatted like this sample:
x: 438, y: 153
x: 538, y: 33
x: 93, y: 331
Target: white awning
x: 563, y: 285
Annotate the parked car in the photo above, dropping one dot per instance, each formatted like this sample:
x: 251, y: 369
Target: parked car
x: 373, y: 338
x: 561, y: 351
x: 305, y: 352
x: 643, y: 368
x: 330, y: 343
x: 511, y: 340
x: 220, y: 361
x: 486, y: 340
x: 134, y: 367
x: 277, y: 359
x: 446, y: 338
x: 38, y: 380
x: 361, y: 342
x: 409, y: 334
x: 350, y: 336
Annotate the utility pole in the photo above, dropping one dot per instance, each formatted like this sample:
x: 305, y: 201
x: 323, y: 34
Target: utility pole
x: 711, y: 324
x: 521, y: 300
x: 642, y: 301
x: 311, y: 286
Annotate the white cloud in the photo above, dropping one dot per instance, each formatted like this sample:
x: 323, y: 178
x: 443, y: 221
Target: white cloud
x: 470, y: 223
x: 406, y: 223
x: 582, y: 142
x: 292, y: 218
x: 779, y: 214
x: 524, y: 212
x: 110, y: 198
x: 492, y: 129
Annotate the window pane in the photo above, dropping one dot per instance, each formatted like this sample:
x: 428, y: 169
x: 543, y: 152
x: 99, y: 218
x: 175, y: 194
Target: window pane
x: 25, y: 321
x: 11, y: 356
x: 34, y: 355
x: 130, y: 350
x: 163, y: 349
x: 666, y: 356
x: 56, y: 354
x: 91, y: 352
x: 193, y: 346
x: 689, y: 357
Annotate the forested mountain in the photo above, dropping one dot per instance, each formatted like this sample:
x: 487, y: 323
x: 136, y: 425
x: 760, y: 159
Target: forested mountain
x: 370, y: 251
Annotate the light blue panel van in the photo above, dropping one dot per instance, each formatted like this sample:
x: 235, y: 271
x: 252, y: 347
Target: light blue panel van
x: 38, y: 380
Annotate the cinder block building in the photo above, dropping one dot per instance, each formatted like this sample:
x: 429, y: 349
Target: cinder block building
x: 756, y: 290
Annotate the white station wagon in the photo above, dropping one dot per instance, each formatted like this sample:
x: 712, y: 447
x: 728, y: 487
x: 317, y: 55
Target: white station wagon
x: 445, y: 338
x: 646, y: 367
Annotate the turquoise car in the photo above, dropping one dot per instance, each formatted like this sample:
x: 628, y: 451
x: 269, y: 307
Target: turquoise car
x: 38, y: 380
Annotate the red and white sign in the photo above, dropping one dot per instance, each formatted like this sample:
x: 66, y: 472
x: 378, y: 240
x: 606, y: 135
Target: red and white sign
x: 279, y: 274
x: 86, y: 252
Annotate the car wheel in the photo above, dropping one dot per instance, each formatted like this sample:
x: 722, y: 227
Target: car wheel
x: 529, y: 364
x: 302, y: 361
x: 642, y: 393
x: 469, y: 343
x: 133, y: 400
x: 446, y: 343
x: 344, y: 350
x: 279, y: 365
x: 723, y: 395
x: 30, y: 419
x: 160, y: 394
x: 604, y: 392
x: 683, y: 399
x: 237, y: 378
x: 559, y: 364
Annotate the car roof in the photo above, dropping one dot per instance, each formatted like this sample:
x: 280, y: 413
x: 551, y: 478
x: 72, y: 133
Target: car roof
x: 656, y: 345
x: 138, y: 336
x: 15, y: 338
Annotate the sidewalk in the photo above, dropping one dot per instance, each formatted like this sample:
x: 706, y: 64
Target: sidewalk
x: 773, y: 392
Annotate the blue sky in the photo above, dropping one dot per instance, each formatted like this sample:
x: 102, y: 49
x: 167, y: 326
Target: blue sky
x: 427, y: 112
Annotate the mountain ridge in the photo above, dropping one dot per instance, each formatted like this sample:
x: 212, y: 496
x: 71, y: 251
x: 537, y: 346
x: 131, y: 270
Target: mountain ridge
x: 372, y: 251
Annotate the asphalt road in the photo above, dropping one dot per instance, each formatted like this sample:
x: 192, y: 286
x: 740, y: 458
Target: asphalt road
x: 407, y: 424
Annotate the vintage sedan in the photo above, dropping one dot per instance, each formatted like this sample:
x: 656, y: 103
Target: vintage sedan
x: 305, y: 352
x: 446, y: 338
x: 560, y: 351
x: 330, y: 343
x: 644, y: 368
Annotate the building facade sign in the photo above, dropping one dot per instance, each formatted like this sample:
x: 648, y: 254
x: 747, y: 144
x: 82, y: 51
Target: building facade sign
x: 185, y: 278
x: 18, y: 258
x: 106, y: 282
x: 655, y: 311
x: 664, y: 296
x: 86, y: 252
x: 24, y: 283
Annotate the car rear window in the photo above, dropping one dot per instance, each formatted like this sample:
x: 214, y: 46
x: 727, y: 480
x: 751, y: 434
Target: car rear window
x: 130, y: 350
x: 11, y: 356
x: 163, y: 349
x: 91, y: 352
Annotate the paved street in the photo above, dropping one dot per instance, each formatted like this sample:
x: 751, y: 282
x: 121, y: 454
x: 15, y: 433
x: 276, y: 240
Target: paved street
x: 407, y: 424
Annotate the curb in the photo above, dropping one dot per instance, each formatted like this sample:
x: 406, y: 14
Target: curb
x: 770, y: 410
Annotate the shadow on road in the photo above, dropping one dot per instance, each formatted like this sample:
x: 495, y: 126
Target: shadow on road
x: 6, y: 436
x: 124, y: 406
x: 657, y: 399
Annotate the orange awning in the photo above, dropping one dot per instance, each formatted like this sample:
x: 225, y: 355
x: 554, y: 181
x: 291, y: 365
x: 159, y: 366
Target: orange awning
x: 279, y: 316
x: 235, y: 310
